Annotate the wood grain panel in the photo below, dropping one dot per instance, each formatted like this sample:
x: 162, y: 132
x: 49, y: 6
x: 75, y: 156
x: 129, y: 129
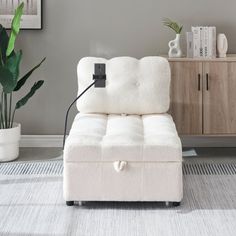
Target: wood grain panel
x: 186, y: 96
x: 219, y: 98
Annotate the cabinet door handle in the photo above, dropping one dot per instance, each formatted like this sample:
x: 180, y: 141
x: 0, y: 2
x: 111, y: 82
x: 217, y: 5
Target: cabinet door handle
x: 207, y: 81
x: 199, y: 82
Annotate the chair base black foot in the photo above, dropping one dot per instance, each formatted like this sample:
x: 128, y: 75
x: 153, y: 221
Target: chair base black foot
x: 69, y: 203
x: 175, y: 204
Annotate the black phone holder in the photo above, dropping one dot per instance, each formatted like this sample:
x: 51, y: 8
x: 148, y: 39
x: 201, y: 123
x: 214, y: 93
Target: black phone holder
x: 100, y: 75
x: 99, y: 82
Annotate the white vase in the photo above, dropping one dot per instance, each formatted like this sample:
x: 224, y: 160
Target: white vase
x: 222, y: 45
x: 174, y: 47
x: 9, y: 143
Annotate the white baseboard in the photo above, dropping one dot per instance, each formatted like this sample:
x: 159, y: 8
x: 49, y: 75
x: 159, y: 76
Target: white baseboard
x: 187, y: 141
x: 41, y: 141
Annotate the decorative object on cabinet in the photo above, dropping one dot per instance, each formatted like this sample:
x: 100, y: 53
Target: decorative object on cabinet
x: 9, y: 79
x: 203, y: 99
x: 203, y: 41
x: 222, y: 45
x: 189, y: 41
x: 31, y: 17
x: 174, y: 45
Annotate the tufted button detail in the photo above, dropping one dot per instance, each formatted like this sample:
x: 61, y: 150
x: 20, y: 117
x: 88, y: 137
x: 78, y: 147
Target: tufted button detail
x: 123, y: 114
x: 137, y: 84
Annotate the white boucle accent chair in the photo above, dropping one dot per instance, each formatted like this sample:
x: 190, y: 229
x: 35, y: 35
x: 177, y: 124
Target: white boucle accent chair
x: 123, y: 146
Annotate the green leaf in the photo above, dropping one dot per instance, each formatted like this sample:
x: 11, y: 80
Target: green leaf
x: 25, y: 99
x: 6, y: 79
x: 15, y: 28
x: 3, y: 43
x: 173, y: 25
x: 13, y: 64
x: 9, y: 72
x: 22, y: 81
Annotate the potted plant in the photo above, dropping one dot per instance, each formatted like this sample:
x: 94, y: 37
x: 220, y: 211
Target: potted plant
x: 174, y: 45
x: 10, y: 82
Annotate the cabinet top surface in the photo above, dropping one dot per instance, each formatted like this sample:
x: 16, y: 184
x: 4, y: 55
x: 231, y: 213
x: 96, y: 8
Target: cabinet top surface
x: 229, y: 58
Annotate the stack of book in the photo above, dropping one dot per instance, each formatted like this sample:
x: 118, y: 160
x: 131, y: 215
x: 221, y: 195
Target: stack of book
x: 201, y: 42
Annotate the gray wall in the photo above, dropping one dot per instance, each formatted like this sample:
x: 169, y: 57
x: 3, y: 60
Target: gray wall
x: 77, y: 28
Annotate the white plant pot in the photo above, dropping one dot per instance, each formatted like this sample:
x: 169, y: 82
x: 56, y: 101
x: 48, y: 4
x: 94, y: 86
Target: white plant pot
x: 174, y: 47
x: 9, y: 143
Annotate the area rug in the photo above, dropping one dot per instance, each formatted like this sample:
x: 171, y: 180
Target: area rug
x: 31, y: 203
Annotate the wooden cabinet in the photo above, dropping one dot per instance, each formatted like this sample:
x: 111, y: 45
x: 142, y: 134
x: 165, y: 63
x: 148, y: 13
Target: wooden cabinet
x: 203, y: 96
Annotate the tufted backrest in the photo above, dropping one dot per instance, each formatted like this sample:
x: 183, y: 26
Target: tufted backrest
x: 132, y: 87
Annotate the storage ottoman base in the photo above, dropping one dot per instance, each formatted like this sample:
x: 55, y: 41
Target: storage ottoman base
x: 139, y: 181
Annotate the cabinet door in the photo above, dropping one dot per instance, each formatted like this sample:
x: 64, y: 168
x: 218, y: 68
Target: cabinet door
x: 219, y: 98
x: 186, y: 96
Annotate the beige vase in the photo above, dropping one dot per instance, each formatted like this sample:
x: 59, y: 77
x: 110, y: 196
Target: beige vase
x: 222, y: 45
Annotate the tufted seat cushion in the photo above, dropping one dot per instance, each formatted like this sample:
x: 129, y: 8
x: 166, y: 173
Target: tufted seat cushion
x: 99, y: 137
x: 133, y: 86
